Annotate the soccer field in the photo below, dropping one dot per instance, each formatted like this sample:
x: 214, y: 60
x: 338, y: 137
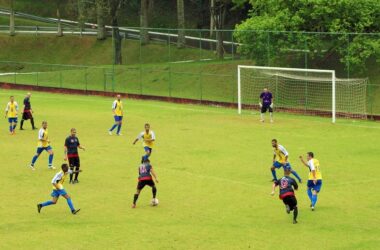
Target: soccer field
x: 213, y: 167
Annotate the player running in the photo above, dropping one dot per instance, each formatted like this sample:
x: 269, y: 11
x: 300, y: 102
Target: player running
x: 287, y: 195
x: 146, y: 173
x: 58, y: 190
x: 117, y: 109
x: 11, y: 112
x: 280, y: 159
x: 43, y: 144
x: 266, y: 102
x: 71, y: 153
x: 28, y: 112
x: 148, y: 137
x: 314, y: 184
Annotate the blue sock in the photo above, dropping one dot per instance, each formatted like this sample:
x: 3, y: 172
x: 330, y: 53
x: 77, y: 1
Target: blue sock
x: 309, y: 193
x: 10, y: 128
x: 274, y: 174
x: 118, y: 128
x: 113, y: 127
x: 47, y: 203
x: 51, y: 160
x: 296, y: 175
x: 314, y: 200
x: 34, y: 159
x: 70, y: 203
x: 14, y: 126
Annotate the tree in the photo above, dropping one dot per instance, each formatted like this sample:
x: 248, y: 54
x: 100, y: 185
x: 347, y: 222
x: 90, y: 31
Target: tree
x: 218, y: 14
x: 181, y: 24
x: 288, y: 22
x: 101, y: 6
x: 144, y: 12
x: 81, y: 14
x: 114, y: 7
x: 12, y: 19
x: 59, y: 24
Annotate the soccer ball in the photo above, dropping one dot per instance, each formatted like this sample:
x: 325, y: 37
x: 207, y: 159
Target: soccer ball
x: 154, y: 202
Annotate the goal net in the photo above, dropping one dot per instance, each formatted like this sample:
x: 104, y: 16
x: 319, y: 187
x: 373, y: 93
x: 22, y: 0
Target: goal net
x: 304, y: 91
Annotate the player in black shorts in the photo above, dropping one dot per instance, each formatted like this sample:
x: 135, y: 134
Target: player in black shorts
x: 287, y: 195
x: 71, y: 153
x: 146, y: 173
x: 266, y: 103
x: 28, y: 112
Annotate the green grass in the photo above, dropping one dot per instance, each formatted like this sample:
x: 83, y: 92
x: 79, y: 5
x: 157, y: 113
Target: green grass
x: 213, y: 167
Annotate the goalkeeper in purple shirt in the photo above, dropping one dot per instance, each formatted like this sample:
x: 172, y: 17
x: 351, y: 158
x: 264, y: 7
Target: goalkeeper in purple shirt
x: 266, y: 103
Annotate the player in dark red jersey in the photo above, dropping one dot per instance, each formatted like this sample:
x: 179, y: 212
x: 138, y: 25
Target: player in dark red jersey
x: 287, y: 195
x: 146, y: 173
x: 71, y: 153
x: 28, y: 112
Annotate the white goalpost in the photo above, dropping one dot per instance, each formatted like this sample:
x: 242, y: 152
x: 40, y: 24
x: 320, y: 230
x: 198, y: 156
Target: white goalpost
x: 303, y: 91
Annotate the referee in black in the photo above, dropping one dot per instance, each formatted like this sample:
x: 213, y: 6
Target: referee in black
x: 28, y: 112
x: 71, y: 153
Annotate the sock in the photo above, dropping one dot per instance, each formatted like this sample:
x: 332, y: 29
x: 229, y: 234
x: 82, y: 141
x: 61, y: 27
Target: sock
x: 14, y: 126
x: 51, y: 159
x: 271, y: 115
x: 71, y: 177
x: 32, y: 122
x: 296, y: 175
x: 295, y: 213
x: 135, y: 197
x: 113, y: 127
x: 47, y: 203
x: 76, y: 174
x: 70, y: 203
x: 274, y: 174
x: 21, y: 124
x: 314, y: 200
x: 10, y: 128
x: 309, y: 194
x: 34, y: 159
x: 154, y: 192
x: 262, y: 116
x: 118, y: 128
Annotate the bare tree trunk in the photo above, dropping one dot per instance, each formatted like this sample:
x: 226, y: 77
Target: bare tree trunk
x: 59, y: 28
x: 100, y: 10
x: 115, y: 6
x: 81, y: 14
x: 181, y: 24
x: 144, y: 21
x: 212, y: 21
x: 12, y: 20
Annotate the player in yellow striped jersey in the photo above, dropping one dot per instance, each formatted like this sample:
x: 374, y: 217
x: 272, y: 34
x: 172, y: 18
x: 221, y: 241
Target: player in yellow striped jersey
x: 148, y: 138
x: 117, y: 109
x: 58, y: 189
x: 43, y: 144
x: 314, y: 184
x: 11, y: 111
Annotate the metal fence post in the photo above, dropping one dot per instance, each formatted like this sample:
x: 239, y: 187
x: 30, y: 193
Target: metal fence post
x: 170, y: 68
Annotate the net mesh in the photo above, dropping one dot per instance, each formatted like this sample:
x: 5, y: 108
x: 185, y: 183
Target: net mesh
x: 304, y: 92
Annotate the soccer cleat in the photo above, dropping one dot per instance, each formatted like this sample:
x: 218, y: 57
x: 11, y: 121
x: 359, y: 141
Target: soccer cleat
x: 39, y: 206
x: 300, y: 181
x: 75, y: 181
x: 119, y: 134
x: 287, y: 209
x: 133, y: 205
x: 295, y: 221
x: 51, y: 167
x: 32, y: 167
x: 271, y: 121
x: 312, y: 208
x: 71, y: 182
x: 75, y: 211
x: 262, y: 120
x: 110, y: 132
x: 21, y: 129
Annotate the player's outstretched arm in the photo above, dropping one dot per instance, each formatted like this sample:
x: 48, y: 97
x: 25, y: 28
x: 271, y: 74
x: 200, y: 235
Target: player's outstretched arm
x: 303, y: 161
x: 154, y: 175
x: 135, y: 141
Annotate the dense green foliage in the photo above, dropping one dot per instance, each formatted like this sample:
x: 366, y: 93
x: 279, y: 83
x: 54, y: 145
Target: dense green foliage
x: 286, y: 20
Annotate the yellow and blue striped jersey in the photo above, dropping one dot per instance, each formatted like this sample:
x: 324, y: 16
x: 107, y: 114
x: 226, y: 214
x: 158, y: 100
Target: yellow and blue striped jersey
x: 314, y: 165
x: 147, y: 136
x: 12, y: 109
x: 280, y: 153
x: 43, y: 139
x: 59, y: 179
x: 117, y: 107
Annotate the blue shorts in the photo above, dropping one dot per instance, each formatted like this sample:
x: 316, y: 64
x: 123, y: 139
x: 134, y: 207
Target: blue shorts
x: 317, y: 187
x: 146, y: 148
x: 118, y: 118
x: 57, y: 193
x: 12, y: 120
x: 40, y: 149
x: 277, y: 164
